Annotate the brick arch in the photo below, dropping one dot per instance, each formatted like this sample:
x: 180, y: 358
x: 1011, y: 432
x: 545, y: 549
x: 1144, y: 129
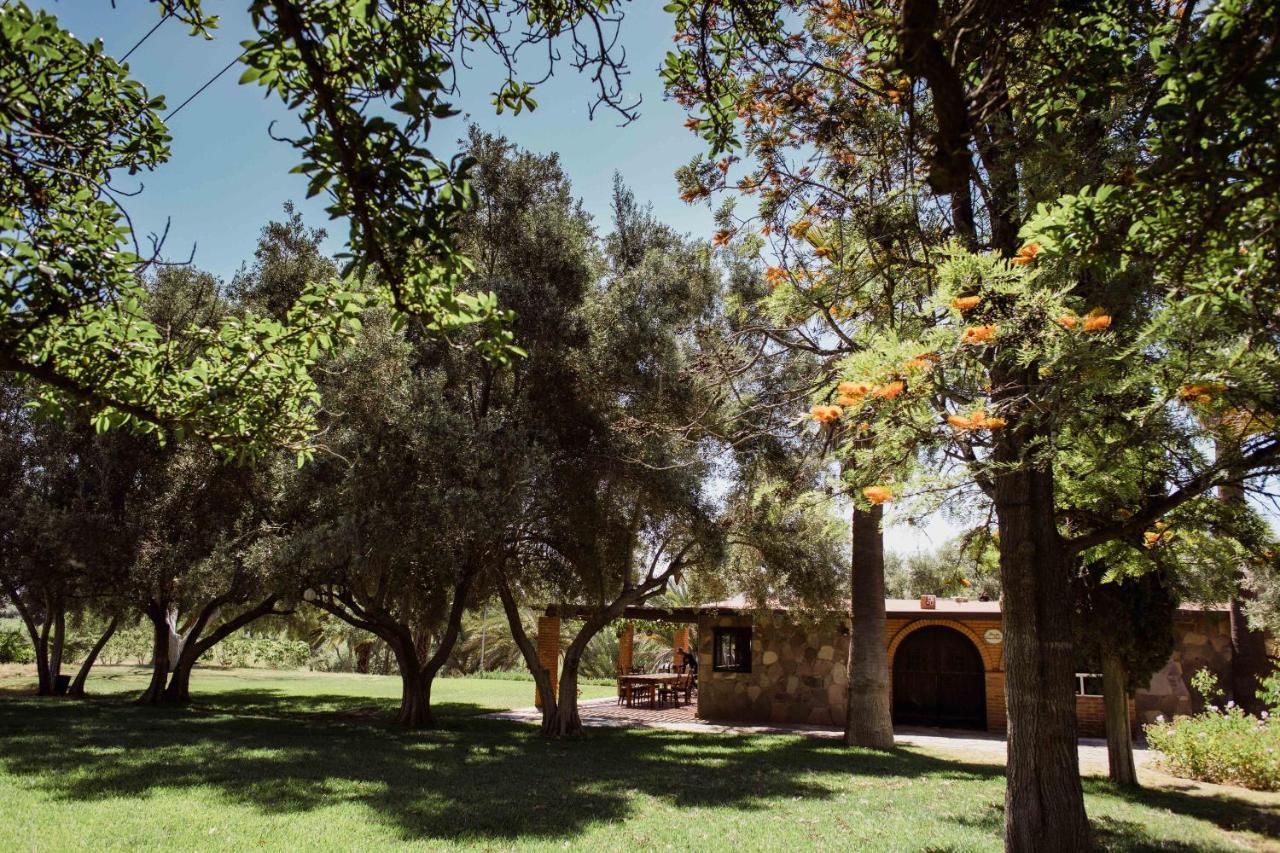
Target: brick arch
x: 990, y: 655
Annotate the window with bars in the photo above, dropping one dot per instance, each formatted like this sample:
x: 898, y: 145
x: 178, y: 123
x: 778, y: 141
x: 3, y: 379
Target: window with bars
x: 731, y: 650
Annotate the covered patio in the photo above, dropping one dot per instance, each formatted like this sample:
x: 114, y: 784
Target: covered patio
x: 659, y: 694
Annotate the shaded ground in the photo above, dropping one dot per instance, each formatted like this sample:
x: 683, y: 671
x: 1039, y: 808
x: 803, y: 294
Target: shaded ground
x: 256, y: 770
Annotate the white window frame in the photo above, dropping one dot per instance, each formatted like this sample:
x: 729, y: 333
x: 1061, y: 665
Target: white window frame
x: 1080, y: 688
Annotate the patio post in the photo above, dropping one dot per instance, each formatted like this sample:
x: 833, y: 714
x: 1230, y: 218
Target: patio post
x: 548, y: 654
x: 626, y: 648
x: 681, y: 641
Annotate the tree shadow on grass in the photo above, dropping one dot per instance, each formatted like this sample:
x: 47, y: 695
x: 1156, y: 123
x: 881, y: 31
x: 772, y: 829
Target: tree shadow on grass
x: 472, y: 778
x: 1225, y: 812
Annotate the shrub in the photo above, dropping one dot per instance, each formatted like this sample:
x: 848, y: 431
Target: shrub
x: 15, y: 647
x: 1224, y: 745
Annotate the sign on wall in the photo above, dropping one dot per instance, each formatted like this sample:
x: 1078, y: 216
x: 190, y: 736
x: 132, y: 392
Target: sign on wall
x: 993, y: 636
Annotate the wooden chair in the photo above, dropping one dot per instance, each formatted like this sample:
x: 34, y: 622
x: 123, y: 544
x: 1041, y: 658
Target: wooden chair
x: 639, y: 692
x: 673, y: 690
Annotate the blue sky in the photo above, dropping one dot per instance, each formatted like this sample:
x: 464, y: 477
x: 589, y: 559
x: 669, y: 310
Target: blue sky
x: 227, y: 177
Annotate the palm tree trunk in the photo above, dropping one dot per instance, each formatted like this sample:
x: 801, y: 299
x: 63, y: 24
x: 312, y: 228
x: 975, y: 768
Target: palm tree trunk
x: 869, y: 714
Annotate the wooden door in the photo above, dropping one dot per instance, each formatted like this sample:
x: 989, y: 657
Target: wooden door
x: 938, y: 680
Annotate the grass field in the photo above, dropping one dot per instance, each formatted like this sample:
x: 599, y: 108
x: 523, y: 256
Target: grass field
x: 291, y: 761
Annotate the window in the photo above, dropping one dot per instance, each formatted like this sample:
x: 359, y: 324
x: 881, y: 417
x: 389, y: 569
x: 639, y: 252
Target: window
x: 732, y: 650
x: 1088, y: 684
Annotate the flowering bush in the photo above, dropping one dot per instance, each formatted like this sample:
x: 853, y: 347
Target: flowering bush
x: 1220, y: 745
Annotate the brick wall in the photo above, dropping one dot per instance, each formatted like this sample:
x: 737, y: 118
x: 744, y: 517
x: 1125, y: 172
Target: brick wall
x: 548, y: 654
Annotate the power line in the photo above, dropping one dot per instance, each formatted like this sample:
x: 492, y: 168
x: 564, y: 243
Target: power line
x: 159, y: 23
x: 207, y: 84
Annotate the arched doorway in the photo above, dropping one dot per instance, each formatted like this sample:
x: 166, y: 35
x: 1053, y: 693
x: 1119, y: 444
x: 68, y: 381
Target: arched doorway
x: 938, y: 680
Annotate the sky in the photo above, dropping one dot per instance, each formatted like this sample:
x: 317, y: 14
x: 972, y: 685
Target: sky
x: 226, y: 177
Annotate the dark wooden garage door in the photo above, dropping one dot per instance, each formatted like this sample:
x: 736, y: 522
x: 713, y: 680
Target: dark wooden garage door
x: 938, y: 680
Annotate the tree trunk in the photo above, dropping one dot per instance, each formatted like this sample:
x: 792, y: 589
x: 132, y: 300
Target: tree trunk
x: 541, y: 678
x: 59, y: 643
x: 1044, y: 801
x: 77, y: 686
x: 565, y: 721
x: 415, y: 700
x: 869, y: 718
x: 154, y: 694
x: 364, y: 655
x: 1249, y: 662
x: 179, y: 690
x: 1115, y: 695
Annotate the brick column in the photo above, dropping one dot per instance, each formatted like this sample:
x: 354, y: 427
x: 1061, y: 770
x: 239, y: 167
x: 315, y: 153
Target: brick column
x: 548, y: 653
x: 626, y: 647
x: 681, y: 641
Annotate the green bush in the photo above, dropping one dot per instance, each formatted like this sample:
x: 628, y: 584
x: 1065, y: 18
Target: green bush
x: 15, y: 647
x: 1226, y: 745
x: 240, y: 650
x: 524, y: 675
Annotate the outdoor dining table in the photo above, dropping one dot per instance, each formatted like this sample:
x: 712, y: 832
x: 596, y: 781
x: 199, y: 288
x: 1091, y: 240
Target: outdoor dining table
x: 655, y: 679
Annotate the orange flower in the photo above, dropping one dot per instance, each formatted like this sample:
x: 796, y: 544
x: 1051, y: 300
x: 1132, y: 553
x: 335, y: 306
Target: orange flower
x: 848, y: 402
x: 889, y: 390
x: 1025, y: 255
x: 1068, y: 321
x: 775, y: 276
x: 826, y: 414
x: 1097, y: 320
x: 864, y: 427
x: 1201, y: 392
x: 722, y: 238
x: 692, y: 123
x: 978, y: 334
x: 801, y: 228
x: 854, y: 389
x: 977, y: 420
x: 822, y: 251
x: 878, y: 494
x: 694, y: 194
x: 918, y: 363
x: 965, y: 303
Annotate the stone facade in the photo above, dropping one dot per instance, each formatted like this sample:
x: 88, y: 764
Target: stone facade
x: 1202, y: 638
x: 799, y: 672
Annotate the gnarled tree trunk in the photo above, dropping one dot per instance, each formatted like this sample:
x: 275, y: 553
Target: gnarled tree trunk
x: 1115, y: 697
x: 77, y: 686
x: 1044, y: 800
x: 158, y: 613
x: 869, y: 719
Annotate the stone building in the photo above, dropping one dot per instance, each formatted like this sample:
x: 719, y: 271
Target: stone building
x: 946, y: 665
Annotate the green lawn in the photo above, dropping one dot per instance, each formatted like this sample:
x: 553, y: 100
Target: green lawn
x: 296, y: 762
x: 286, y: 692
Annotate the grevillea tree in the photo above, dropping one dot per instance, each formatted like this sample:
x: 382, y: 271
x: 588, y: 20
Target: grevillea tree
x: 1080, y: 306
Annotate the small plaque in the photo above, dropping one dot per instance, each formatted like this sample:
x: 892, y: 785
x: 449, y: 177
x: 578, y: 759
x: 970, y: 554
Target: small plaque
x: 928, y: 602
x: 993, y: 636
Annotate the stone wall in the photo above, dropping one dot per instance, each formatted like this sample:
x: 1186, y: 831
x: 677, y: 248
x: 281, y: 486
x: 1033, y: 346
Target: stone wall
x: 799, y: 672
x: 1201, y: 639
